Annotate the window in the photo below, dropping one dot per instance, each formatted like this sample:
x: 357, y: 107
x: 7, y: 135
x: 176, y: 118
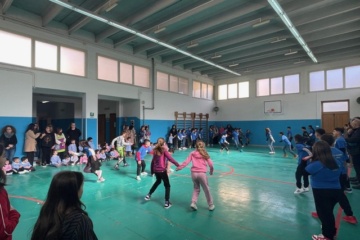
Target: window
x: 15, y: 49
x: 276, y: 85
x: 204, y: 90
x: 334, y: 79
x: 341, y: 106
x: 183, y: 86
x: 210, y: 92
x: 72, y: 61
x: 292, y: 84
x: 317, y: 81
x: 352, y: 77
x: 162, y: 81
x: 108, y: 69
x: 196, y: 89
x: 46, y: 56
x: 243, y: 89
x: 222, y: 92
x: 262, y: 87
x: 126, y: 73
x: 232, y: 90
x: 174, y: 84
x: 141, y: 76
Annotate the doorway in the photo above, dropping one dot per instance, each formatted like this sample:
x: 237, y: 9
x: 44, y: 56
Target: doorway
x: 334, y: 114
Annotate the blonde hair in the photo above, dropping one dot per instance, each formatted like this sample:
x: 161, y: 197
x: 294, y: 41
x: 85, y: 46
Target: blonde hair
x: 159, y: 147
x: 200, y: 147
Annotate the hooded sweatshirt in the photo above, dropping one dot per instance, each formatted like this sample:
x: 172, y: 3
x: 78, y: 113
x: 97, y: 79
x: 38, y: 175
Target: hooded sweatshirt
x: 158, y: 163
x: 199, y: 163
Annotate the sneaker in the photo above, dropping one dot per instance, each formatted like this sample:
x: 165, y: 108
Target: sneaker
x: 116, y: 167
x: 298, y: 191
x: 167, y: 204
x: 144, y: 174
x: 102, y: 179
x: 22, y: 172
x: 148, y: 197
x: 43, y: 164
x: 212, y: 207
x: 314, y: 215
x: 350, y: 219
x: 8, y: 174
x: 320, y: 237
x: 296, y: 156
x: 138, y: 178
x: 125, y: 165
x: 184, y: 148
x: 348, y: 190
x: 305, y: 189
x: 193, y: 206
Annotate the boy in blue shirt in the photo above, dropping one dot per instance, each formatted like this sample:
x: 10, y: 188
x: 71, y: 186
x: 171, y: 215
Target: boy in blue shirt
x: 16, y: 166
x: 139, y: 157
x: 287, y: 145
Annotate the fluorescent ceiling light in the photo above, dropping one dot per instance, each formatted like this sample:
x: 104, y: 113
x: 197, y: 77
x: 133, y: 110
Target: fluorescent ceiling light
x: 129, y: 30
x: 216, y: 56
x: 233, y: 65
x: 159, y: 29
x: 290, y: 53
x: 286, y: 20
x: 193, y: 44
x: 261, y: 23
x: 45, y: 101
x: 299, y: 61
x: 278, y: 40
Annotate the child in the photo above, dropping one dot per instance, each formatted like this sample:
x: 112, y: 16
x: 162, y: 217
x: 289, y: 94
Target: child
x: 171, y: 142
x: 101, y: 154
x: 200, y: 160
x: 128, y: 149
x: 55, y: 160
x: 7, y: 169
x: 290, y: 137
x: 325, y: 173
x: 16, y: 166
x: 193, y: 136
x: 224, y: 143
x: 114, y: 155
x: 304, y: 154
x: 93, y: 163
x: 158, y: 167
x: 139, y: 157
x: 66, y: 161
x: 90, y: 142
x: 26, y: 165
x: 270, y: 140
x: 287, y: 145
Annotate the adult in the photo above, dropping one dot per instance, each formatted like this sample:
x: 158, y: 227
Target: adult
x: 60, y: 141
x: 62, y: 215
x: 352, y: 137
x: 132, y: 135
x: 73, y: 133
x: 174, y: 133
x: 9, y: 217
x: 9, y: 140
x: 30, y: 142
x: 47, y: 145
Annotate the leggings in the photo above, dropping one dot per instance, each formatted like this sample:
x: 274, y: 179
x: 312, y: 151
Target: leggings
x: 140, y: 167
x: 165, y: 178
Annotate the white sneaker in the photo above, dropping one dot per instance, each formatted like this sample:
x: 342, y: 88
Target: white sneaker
x: 306, y: 189
x: 184, y: 148
x: 144, y: 174
x: 298, y: 191
x: 138, y: 178
x: 212, y: 207
x: 193, y: 206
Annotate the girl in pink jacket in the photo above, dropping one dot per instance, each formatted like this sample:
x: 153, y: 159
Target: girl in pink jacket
x: 159, y: 168
x: 200, y: 160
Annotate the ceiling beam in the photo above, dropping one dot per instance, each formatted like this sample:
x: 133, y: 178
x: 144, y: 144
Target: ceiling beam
x: 51, y: 13
x: 5, y: 5
x: 206, y: 23
x: 180, y: 16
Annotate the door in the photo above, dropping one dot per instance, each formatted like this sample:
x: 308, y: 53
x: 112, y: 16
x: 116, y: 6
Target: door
x: 101, y: 129
x: 112, y: 127
x: 334, y: 114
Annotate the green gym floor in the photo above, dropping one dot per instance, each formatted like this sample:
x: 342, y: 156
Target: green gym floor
x: 252, y: 191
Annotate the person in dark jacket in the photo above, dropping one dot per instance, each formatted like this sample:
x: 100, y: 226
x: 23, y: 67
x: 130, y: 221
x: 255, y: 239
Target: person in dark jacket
x: 73, y: 133
x: 174, y: 133
x: 62, y: 215
x: 47, y: 145
x: 9, y: 140
x: 352, y: 138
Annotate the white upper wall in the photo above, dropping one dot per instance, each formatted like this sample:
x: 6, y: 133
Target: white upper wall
x: 305, y: 105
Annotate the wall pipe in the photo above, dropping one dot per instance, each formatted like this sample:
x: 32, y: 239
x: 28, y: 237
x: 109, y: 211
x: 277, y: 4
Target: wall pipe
x: 152, y: 90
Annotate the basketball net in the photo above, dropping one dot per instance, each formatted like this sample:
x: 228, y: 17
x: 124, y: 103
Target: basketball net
x: 270, y: 112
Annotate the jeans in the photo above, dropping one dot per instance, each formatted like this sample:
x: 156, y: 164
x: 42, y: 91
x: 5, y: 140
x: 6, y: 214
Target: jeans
x: 9, y: 153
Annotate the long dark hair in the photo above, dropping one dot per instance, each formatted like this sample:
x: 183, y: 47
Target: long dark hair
x: 322, y: 152
x: 62, y: 198
x: 31, y: 126
x: 13, y: 129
